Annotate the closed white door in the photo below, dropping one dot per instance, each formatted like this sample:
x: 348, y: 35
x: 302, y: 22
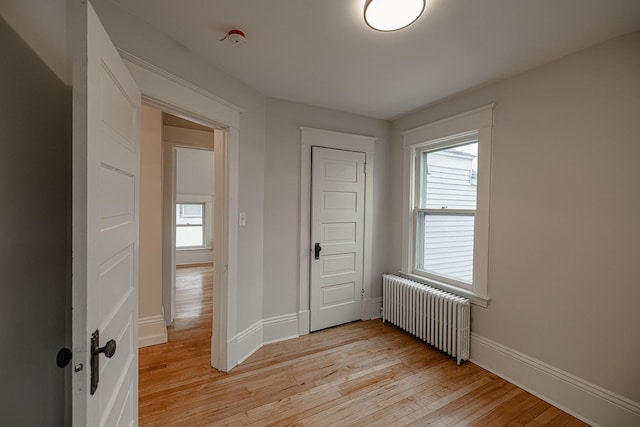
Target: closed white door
x: 337, y: 224
x: 106, y: 106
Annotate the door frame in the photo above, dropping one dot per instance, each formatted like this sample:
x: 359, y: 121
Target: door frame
x: 171, y: 94
x: 341, y: 141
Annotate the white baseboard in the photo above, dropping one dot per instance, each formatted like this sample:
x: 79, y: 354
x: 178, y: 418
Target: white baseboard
x: 151, y: 331
x: 582, y: 399
x: 266, y: 331
x: 248, y: 341
x: 376, y: 307
x: 280, y: 328
x: 188, y: 257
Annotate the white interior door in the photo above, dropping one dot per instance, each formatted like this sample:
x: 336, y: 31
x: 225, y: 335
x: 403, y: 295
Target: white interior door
x: 106, y: 111
x: 337, y: 237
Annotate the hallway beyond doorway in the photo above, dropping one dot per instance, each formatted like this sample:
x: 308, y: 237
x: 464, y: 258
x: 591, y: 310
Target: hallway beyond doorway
x: 194, y: 303
x: 164, y: 367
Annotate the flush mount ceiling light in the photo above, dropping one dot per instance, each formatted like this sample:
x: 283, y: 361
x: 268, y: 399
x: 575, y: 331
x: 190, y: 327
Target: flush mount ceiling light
x: 391, y: 15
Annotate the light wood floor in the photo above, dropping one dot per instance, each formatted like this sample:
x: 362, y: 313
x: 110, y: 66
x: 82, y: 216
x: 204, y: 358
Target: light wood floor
x: 363, y: 373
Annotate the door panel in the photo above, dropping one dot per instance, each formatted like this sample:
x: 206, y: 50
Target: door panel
x: 338, y: 264
x: 339, y: 232
x: 340, y: 201
x: 105, y: 249
x: 337, y: 224
x: 342, y: 293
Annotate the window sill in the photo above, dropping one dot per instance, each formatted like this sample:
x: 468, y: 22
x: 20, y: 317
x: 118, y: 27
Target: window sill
x: 193, y: 249
x: 475, y: 299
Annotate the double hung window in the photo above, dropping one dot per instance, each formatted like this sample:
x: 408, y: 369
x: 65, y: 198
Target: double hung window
x: 190, y: 225
x: 447, y: 190
x: 446, y: 186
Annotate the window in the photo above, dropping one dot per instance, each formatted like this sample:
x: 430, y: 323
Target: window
x: 446, y: 203
x: 189, y: 225
x: 445, y: 211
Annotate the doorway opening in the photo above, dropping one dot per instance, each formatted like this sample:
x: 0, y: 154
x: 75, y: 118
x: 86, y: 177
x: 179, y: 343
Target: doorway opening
x: 190, y: 169
x: 192, y: 231
x: 188, y: 198
x: 178, y: 180
x: 176, y: 268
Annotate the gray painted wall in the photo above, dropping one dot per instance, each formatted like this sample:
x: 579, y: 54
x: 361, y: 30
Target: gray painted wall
x: 282, y: 195
x: 565, y: 212
x: 34, y: 165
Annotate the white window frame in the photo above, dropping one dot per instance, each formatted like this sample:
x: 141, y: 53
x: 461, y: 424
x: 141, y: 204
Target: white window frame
x: 204, y: 225
x: 208, y: 222
x: 442, y: 133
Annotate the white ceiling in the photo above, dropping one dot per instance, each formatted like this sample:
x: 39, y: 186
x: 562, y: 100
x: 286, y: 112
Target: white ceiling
x: 320, y: 52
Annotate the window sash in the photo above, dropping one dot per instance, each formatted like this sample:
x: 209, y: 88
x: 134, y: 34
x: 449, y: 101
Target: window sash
x: 186, y: 227
x: 184, y: 217
x: 420, y: 153
x: 198, y: 223
x: 420, y: 194
x: 419, y: 241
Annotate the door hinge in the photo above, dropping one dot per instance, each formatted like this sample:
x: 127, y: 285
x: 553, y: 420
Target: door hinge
x: 362, y: 294
x: 365, y: 168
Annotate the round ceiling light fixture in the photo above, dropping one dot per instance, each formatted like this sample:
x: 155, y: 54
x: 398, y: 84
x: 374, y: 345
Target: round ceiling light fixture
x: 391, y: 15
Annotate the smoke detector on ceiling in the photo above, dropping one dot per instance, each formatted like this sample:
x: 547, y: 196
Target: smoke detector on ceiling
x: 235, y: 36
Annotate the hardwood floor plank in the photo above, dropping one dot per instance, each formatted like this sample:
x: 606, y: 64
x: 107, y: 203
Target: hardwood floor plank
x: 392, y: 379
x: 504, y: 413
x: 359, y: 374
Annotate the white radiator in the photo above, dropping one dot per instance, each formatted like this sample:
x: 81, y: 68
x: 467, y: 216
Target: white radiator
x: 437, y: 317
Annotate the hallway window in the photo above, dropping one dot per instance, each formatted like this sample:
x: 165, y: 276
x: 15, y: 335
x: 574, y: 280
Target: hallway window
x: 189, y: 225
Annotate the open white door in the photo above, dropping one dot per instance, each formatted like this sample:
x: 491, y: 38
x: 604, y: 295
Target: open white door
x: 106, y: 107
x: 337, y: 236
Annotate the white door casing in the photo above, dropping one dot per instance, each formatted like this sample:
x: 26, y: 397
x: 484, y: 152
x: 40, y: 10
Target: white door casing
x: 337, y: 230
x: 311, y: 137
x: 174, y: 95
x: 106, y: 118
